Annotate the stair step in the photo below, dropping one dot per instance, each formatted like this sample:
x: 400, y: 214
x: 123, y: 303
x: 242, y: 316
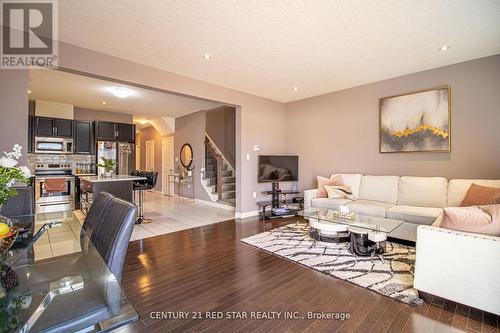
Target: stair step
x: 229, y: 195
x: 228, y: 180
x: 228, y: 187
x: 229, y: 202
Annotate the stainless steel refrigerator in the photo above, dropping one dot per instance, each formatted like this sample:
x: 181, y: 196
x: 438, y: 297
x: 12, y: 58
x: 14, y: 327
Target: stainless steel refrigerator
x: 121, y: 152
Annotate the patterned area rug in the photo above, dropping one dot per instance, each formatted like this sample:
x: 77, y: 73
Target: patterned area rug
x: 393, y: 279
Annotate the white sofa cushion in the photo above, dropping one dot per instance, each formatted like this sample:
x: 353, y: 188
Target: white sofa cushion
x: 414, y: 214
x: 422, y: 191
x: 368, y: 207
x: 457, y: 188
x: 379, y: 188
x: 328, y: 203
x: 351, y: 179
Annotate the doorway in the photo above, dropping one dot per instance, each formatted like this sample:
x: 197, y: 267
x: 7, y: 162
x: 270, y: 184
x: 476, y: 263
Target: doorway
x: 167, y: 160
x: 150, y: 155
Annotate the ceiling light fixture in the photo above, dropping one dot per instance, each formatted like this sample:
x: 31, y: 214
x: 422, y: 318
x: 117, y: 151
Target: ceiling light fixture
x: 444, y: 48
x: 295, y: 88
x: 29, y: 91
x: 207, y: 56
x: 120, y: 92
x: 103, y: 102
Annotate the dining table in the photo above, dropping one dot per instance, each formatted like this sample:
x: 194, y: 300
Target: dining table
x: 60, y: 291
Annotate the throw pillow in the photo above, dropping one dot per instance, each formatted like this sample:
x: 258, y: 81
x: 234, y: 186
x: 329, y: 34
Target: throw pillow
x: 481, y: 195
x: 477, y: 219
x: 326, y: 181
x: 338, y: 191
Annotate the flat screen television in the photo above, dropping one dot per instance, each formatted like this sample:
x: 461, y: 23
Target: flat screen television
x: 278, y: 168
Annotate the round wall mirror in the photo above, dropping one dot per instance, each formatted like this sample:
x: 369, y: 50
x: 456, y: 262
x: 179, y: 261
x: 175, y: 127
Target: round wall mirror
x: 186, y: 155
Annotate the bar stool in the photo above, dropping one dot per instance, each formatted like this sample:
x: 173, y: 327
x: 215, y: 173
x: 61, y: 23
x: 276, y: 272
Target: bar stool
x: 148, y: 184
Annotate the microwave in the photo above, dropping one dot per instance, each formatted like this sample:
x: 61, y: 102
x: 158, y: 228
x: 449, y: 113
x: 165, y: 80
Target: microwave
x: 53, y: 145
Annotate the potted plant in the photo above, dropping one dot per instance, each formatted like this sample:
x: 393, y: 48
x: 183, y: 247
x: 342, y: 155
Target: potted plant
x: 10, y: 174
x: 108, y: 165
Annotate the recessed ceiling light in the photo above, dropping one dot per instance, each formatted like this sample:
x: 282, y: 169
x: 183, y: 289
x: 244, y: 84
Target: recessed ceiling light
x: 29, y: 91
x: 444, y: 48
x: 295, y: 88
x: 103, y: 102
x: 120, y: 92
x: 207, y: 56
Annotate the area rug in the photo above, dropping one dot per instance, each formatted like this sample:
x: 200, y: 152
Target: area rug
x: 393, y: 279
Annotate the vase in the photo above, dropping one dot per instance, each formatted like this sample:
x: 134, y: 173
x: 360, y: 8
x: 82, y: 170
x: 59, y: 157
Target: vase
x: 108, y: 174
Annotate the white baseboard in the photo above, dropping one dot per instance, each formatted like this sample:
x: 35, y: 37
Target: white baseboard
x: 215, y: 204
x: 244, y: 215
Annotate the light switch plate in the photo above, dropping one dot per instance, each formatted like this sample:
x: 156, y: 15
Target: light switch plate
x: 248, y: 157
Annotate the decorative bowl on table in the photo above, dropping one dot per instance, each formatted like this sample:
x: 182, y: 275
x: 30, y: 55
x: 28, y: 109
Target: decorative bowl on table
x: 8, y: 239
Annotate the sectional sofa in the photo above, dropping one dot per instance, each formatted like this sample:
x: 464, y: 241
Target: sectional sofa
x: 460, y: 266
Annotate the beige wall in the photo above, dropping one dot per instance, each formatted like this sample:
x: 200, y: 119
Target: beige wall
x: 98, y: 115
x: 259, y: 120
x: 14, y: 110
x: 220, y: 127
x: 338, y: 132
x: 150, y: 134
x: 191, y: 129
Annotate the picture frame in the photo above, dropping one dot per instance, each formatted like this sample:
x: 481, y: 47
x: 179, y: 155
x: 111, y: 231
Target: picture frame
x: 418, y: 121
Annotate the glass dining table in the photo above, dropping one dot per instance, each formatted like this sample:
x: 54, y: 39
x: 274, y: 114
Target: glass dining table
x: 53, y: 279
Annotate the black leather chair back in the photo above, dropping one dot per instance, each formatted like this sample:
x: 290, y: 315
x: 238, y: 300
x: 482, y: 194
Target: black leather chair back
x: 151, y: 178
x: 135, y: 173
x: 111, y: 234
x: 21, y: 204
x: 96, y: 211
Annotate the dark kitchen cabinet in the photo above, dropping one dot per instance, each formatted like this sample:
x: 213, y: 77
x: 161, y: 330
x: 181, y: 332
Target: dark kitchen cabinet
x: 53, y: 127
x: 84, y: 137
x: 44, y: 126
x: 105, y: 131
x: 63, y: 128
x: 31, y: 139
x: 125, y: 132
x: 108, y: 131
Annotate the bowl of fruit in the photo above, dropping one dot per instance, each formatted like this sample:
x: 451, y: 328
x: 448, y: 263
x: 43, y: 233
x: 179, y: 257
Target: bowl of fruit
x: 8, y: 236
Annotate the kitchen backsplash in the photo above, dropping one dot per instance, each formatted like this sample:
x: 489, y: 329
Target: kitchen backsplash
x: 58, y: 158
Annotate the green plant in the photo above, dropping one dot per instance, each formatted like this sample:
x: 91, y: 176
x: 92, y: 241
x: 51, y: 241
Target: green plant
x: 108, y: 164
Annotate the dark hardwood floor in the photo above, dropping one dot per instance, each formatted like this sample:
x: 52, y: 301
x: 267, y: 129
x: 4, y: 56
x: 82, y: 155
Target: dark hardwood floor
x: 209, y: 269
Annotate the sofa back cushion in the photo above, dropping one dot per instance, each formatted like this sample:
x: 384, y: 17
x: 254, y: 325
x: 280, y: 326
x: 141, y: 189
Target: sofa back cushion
x: 457, y: 188
x: 379, y: 188
x: 423, y: 191
x: 350, y: 179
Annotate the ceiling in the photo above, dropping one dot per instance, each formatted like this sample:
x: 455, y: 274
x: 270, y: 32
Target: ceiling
x: 87, y: 92
x: 268, y: 47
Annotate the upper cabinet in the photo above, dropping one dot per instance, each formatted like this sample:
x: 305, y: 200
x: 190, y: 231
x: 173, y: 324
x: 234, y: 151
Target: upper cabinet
x: 84, y: 137
x: 53, y: 127
x: 108, y: 131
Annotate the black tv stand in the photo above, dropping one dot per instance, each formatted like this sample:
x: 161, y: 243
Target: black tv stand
x: 279, y: 207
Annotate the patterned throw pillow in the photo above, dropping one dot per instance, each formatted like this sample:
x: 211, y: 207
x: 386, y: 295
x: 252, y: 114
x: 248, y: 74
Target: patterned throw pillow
x: 338, y: 191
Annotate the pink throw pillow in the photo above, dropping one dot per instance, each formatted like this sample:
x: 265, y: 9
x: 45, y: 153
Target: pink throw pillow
x: 477, y: 219
x: 333, y: 181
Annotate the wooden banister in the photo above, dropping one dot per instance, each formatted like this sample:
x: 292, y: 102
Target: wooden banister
x: 219, y: 161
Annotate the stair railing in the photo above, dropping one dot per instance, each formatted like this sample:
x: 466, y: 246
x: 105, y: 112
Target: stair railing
x: 209, y: 151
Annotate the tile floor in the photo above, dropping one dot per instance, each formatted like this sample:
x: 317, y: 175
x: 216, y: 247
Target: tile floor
x: 168, y: 214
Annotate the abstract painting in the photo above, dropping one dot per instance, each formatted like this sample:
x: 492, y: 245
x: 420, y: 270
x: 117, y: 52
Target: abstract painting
x: 416, y: 122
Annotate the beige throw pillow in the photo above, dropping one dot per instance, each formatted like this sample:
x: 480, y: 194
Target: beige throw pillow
x: 338, y: 191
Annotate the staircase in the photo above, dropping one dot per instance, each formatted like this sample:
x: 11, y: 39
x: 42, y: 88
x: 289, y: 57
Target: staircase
x: 219, y: 177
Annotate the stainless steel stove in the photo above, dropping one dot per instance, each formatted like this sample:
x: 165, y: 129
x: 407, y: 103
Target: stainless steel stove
x: 54, y: 200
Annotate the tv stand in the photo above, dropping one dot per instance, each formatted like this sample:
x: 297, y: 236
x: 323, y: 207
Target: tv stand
x: 279, y: 207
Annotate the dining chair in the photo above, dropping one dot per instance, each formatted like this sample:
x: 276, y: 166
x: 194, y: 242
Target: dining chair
x: 94, y: 216
x: 21, y: 204
x: 111, y: 234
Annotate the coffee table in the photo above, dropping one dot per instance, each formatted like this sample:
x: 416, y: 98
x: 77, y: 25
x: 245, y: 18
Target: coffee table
x: 366, y: 234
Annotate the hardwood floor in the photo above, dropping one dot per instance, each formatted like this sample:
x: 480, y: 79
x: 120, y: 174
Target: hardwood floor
x: 209, y: 269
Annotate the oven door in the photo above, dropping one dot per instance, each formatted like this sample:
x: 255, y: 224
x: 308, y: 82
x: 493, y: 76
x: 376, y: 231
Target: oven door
x: 54, y: 201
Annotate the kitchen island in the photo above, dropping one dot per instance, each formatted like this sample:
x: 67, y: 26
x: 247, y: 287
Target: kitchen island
x: 121, y: 186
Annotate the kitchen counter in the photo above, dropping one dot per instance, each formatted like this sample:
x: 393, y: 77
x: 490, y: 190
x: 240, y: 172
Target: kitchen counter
x: 115, y: 178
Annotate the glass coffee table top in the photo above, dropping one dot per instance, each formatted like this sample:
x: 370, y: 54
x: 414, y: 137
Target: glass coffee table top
x: 367, y: 222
